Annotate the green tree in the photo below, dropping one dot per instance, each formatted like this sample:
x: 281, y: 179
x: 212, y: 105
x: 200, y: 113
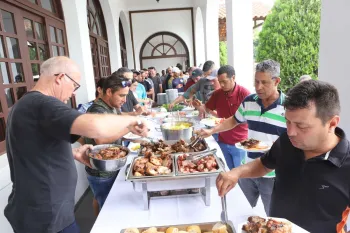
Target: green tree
x: 290, y: 35
x: 223, y: 53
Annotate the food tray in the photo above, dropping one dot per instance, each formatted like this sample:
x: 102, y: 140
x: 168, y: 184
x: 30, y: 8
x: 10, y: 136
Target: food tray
x: 205, y: 227
x: 200, y: 174
x: 178, y: 153
x: 131, y: 177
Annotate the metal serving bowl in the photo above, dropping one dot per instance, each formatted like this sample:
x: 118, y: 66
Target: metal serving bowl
x: 176, y: 134
x: 175, y: 119
x: 107, y: 165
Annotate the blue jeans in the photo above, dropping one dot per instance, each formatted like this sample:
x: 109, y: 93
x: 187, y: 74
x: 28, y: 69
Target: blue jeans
x: 232, y: 154
x: 216, y: 136
x: 100, y: 187
x: 73, y: 228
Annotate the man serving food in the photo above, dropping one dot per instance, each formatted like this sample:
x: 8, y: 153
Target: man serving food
x: 264, y: 114
x: 311, y: 160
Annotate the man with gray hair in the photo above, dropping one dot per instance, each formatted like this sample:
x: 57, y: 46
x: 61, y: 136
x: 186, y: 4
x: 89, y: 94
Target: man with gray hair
x: 264, y: 114
x: 40, y: 130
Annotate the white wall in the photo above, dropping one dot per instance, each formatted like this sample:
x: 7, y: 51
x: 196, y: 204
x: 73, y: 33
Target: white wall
x: 199, y: 36
x: 334, y: 60
x: 178, y: 22
x: 132, y: 5
x: 5, y: 190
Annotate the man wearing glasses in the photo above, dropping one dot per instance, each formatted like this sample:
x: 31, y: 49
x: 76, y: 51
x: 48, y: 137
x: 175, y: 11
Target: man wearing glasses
x: 40, y: 130
x: 264, y: 114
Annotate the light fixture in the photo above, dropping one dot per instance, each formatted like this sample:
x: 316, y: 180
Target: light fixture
x: 157, y: 1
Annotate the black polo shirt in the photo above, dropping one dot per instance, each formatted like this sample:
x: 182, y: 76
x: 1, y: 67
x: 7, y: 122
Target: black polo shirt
x: 311, y: 193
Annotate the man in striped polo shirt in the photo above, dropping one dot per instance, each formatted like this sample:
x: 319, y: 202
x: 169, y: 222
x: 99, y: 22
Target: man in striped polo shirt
x: 264, y: 113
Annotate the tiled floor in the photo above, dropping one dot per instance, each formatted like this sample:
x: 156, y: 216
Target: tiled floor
x: 84, y: 214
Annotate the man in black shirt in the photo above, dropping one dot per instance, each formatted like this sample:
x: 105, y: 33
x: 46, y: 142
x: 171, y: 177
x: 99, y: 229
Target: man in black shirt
x: 311, y: 160
x: 157, y: 82
x: 40, y: 130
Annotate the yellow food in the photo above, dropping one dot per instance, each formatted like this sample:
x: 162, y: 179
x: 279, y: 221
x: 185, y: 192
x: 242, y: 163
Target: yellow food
x: 136, y: 147
x: 172, y: 230
x: 194, y: 229
x: 179, y: 126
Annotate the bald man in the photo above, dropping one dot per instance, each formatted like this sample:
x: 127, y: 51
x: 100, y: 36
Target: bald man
x: 40, y: 130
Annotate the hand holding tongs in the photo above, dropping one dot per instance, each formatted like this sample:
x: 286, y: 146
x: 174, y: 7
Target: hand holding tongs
x: 194, y: 142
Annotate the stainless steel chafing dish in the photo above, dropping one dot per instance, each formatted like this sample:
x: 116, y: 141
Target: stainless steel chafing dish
x: 203, y: 180
x: 172, y: 142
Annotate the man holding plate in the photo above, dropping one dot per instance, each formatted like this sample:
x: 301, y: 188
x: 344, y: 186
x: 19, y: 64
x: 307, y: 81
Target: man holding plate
x: 264, y: 114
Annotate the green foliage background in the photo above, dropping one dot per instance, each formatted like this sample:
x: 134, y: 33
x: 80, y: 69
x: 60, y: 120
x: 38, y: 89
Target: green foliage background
x: 290, y: 35
x: 223, y: 53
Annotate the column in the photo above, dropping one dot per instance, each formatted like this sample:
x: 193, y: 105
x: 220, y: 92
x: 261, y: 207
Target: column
x: 111, y: 13
x: 334, y: 53
x: 211, y: 30
x: 79, y: 46
x: 239, y: 29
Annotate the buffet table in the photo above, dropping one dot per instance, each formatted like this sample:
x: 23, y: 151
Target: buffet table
x: 124, y: 206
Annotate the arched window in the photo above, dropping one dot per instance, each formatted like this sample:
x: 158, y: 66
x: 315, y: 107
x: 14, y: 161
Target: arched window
x: 166, y: 46
x: 98, y: 40
x: 122, y: 45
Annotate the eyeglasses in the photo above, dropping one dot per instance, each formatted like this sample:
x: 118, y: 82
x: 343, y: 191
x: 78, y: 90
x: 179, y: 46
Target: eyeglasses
x: 76, y: 85
x: 126, y: 84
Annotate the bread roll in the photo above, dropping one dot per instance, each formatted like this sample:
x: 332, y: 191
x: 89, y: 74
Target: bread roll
x: 219, y: 228
x: 172, y: 230
x: 151, y: 230
x: 131, y: 230
x: 194, y: 229
x: 183, y: 232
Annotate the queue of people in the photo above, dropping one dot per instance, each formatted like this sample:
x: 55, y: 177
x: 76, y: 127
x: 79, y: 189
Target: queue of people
x: 302, y: 178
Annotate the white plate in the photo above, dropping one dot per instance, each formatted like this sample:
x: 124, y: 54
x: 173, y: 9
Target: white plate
x: 188, y: 108
x: 269, y: 144
x: 209, y: 121
x: 295, y: 228
x: 131, y: 136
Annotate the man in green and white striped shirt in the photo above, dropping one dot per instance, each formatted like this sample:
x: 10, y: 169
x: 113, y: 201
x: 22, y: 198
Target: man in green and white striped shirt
x: 264, y: 114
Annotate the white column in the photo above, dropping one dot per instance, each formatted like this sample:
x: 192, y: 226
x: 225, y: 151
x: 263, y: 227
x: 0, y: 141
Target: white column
x: 79, y: 46
x: 240, y: 40
x: 199, y: 35
x: 211, y: 16
x: 334, y: 53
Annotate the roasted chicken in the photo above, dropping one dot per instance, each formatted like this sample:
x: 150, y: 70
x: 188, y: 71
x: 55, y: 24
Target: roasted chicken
x: 152, y: 165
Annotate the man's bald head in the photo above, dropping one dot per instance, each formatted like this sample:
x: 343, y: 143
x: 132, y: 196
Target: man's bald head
x: 56, y: 65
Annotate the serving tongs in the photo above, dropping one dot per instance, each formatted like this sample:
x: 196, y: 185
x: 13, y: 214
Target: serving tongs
x: 223, y: 216
x: 194, y: 142
x: 194, y: 156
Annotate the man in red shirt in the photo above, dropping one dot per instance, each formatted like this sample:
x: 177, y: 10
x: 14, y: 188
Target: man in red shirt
x: 226, y: 101
x: 195, y: 76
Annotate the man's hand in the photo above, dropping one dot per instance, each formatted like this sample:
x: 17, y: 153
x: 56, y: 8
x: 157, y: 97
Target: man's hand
x: 139, y: 127
x: 171, y: 105
x: 204, y: 133
x: 79, y: 154
x: 226, y: 181
x: 196, y: 103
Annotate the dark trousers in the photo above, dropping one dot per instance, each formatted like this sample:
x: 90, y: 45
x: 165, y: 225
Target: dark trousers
x: 254, y: 187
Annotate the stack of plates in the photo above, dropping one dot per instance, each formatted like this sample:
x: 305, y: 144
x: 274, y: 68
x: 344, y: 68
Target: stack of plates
x: 172, y: 94
x: 162, y: 98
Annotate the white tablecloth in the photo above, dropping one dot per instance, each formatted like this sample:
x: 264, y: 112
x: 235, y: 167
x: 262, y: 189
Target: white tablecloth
x: 124, y: 207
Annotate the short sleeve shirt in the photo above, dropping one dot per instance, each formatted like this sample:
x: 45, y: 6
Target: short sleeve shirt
x: 131, y: 101
x: 264, y: 124
x: 156, y: 82
x: 226, y: 104
x: 146, y: 85
x: 312, y: 193
x: 178, y: 82
x: 43, y: 172
x: 205, y: 87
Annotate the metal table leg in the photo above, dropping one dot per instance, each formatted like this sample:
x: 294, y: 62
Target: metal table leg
x: 145, y: 196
